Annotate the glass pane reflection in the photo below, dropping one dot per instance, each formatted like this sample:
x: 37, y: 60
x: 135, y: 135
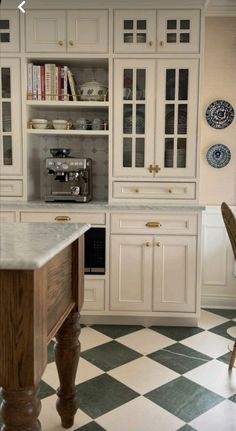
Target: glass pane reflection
x: 169, y: 119
x: 6, y: 117
x: 127, y: 118
x: 140, y: 118
x: 140, y: 84
x: 127, y: 152
x: 169, y: 152
x: 7, y: 150
x: 183, y: 84
x: 170, y: 84
x: 139, y: 153
x: 181, y: 153
x: 128, y: 84
x: 182, y: 119
x: 6, y: 82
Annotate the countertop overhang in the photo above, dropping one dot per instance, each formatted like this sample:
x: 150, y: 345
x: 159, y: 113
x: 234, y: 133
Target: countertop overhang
x: 29, y: 246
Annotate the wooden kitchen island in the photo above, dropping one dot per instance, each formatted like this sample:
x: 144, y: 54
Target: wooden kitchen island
x: 41, y: 294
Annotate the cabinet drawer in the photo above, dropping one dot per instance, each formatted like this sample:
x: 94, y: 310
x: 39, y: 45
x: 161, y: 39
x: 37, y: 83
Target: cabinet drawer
x: 154, y: 223
x: 140, y: 190
x: 92, y: 218
x: 11, y: 188
x: 7, y: 216
x: 94, y: 294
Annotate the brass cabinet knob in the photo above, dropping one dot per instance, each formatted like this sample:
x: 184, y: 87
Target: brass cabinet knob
x: 60, y: 42
x: 147, y: 244
x: 136, y: 190
x: 150, y: 43
x: 153, y: 224
x: 71, y: 43
x: 170, y: 191
x: 62, y: 218
x: 161, y: 43
x: 150, y: 168
x: 157, y: 168
x: 158, y: 244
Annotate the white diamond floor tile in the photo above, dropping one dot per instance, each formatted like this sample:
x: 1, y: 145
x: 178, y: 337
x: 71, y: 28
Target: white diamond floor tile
x: 90, y: 338
x: 143, y: 375
x: 215, y: 376
x: 208, y: 343
x: 145, y: 341
x: 85, y: 371
x: 209, y: 320
x: 220, y: 418
x: 51, y: 421
x: 139, y: 415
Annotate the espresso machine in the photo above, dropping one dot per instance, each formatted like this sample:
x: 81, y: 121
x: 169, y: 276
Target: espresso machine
x: 69, y: 178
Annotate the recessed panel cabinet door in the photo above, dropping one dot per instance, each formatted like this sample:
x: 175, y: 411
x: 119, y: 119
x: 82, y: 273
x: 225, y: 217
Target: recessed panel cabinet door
x: 45, y: 31
x: 131, y: 273
x: 10, y: 118
x: 87, y: 31
x: 174, y: 285
x: 176, y: 117
x: 9, y: 31
x: 134, y: 98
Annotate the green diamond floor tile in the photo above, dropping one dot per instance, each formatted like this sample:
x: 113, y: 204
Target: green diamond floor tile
x: 45, y: 390
x: 179, y: 358
x: 184, y: 398
x: 103, y: 393
x: 186, y: 428
x: 177, y: 333
x: 51, y: 356
x: 228, y: 314
x: 115, y: 331
x: 225, y: 358
x: 91, y: 426
x: 222, y: 329
x: 110, y: 355
x: 233, y: 398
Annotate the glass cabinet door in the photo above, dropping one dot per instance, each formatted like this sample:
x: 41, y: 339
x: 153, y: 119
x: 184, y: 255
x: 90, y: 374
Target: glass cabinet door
x: 178, y: 30
x: 134, y: 117
x: 135, y: 31
x: 9, y: 31
x: 176, y: 122
x: 10, y: 131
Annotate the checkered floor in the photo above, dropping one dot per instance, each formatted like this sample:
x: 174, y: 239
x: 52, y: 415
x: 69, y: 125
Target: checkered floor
x: 132, y: 378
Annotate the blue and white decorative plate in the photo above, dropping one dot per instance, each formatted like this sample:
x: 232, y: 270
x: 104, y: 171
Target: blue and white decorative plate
x: 218, y: 156
x: 219, y: 114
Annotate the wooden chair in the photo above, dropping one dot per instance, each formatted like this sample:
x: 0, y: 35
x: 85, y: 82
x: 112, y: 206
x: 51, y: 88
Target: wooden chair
x: 230, y: 224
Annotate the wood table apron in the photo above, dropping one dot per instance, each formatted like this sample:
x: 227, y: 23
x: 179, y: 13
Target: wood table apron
x: 37, y: 305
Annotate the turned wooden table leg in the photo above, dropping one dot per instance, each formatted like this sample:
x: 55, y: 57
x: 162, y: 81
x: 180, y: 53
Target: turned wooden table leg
x: 67, y: 352
x: 20, y: 409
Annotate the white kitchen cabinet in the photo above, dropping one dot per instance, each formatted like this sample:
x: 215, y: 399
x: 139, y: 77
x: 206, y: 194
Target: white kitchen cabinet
x: 164, y: 146
x: 134, y: 31
x: 131, y: 273
x: 9, y: 31
x: 178, y: 31
x: 72, y: 31
x: 10, y: 126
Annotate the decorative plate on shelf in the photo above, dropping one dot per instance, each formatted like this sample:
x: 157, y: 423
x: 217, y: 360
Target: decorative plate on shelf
x: 219, y: 114
x: 218, y: 156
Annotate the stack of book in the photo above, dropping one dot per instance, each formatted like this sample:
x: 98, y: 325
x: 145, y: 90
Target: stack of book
x: 50, y: 82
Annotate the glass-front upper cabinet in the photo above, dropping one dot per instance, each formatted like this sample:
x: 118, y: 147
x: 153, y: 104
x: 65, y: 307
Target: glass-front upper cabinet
x: 135, y: 31
x: 176, y: 121
x: 178, y: 31
x: 134, y: 117
x: 9, y: 31
x: 10, y: 130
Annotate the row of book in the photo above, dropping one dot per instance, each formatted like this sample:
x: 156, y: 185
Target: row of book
x: 50, y: 82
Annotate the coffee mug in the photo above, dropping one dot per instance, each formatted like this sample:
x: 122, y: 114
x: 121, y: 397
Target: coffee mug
x: 126, y: 93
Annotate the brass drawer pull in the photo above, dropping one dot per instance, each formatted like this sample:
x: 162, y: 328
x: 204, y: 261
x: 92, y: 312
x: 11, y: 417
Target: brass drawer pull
x: 60, y: 42
x: 153, y: 224
x: 151, y: 168
x: 71, y: 42
x: 62, y: 218
x: 157, y: 168
x: 158, y: 244
x: 147, y: 244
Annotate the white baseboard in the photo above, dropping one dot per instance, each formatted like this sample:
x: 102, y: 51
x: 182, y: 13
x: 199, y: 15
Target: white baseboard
x: 216, y: 301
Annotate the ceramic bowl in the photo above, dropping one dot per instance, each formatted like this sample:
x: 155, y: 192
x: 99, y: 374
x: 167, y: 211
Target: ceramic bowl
x: 92, y: 90
x: 39, y: 123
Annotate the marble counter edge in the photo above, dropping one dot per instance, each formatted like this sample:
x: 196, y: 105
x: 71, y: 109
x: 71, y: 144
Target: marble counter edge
x: 22, y: 257
x: 98, y: 206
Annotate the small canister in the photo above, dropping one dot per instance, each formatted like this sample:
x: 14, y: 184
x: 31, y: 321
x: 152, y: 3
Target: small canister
x: 97, y: 124
x: 81, y: 123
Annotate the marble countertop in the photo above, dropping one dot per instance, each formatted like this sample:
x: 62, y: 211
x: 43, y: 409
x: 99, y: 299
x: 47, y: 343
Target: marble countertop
x: 31, y: 245
x: 96, y: 206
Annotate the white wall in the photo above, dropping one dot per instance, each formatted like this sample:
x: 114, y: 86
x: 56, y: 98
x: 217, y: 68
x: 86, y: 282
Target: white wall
x: 217, y: 185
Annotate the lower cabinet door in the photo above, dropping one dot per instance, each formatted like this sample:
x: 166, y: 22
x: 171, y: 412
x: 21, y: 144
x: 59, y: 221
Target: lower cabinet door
x: 131, y: 272
x: 174, y: 283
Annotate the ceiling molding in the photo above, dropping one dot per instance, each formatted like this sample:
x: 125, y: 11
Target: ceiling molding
x: 221, y: 10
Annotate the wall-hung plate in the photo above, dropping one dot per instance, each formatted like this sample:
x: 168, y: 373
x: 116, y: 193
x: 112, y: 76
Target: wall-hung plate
x: 218, y: 156
x: 220, y: 114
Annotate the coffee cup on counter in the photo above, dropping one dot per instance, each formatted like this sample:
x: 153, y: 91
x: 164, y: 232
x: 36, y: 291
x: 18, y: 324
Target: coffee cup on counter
x: 61, y: 124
